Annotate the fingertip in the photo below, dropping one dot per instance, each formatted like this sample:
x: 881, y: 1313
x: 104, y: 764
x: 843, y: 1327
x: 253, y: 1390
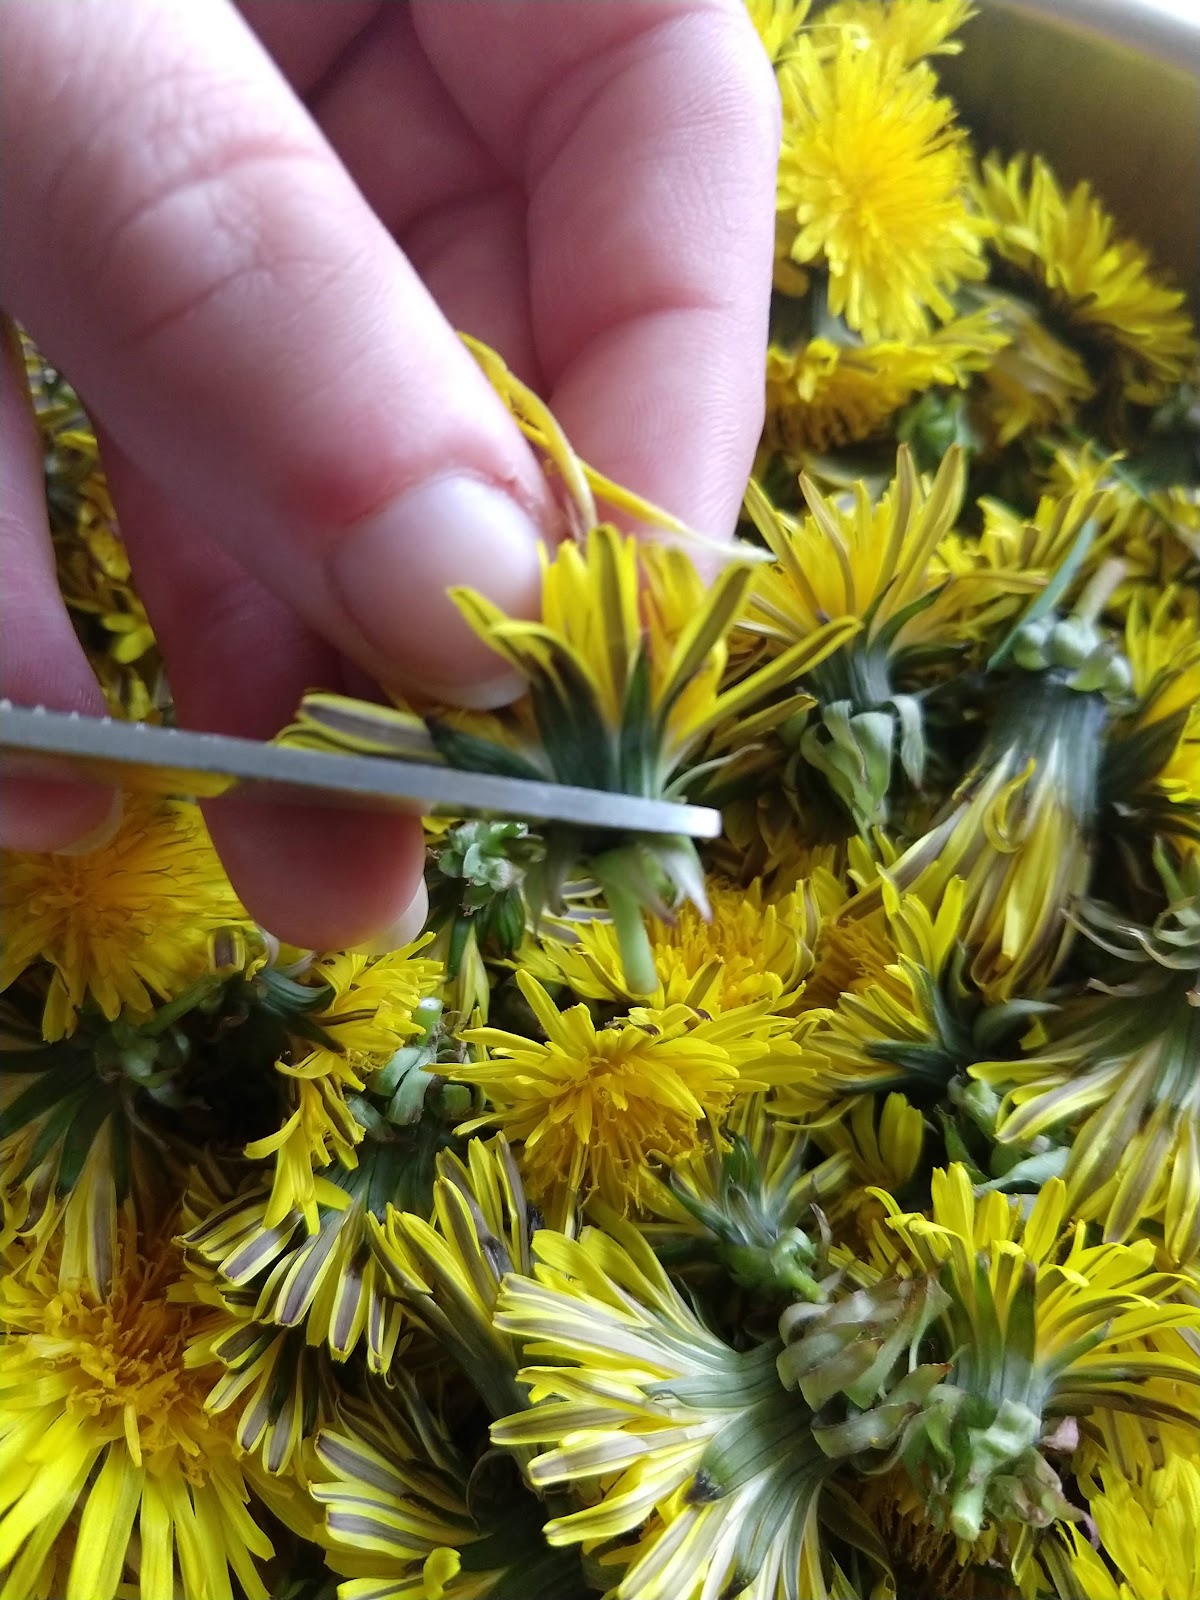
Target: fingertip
x: 38, y: 816
x: 319, y: 878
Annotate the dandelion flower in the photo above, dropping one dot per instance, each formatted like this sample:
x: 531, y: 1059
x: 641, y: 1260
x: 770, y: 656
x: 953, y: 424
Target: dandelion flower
x: 639, y: 1406
x: 626, y: 686
x: 874, y: 181
x: 823, y: 393
x: 406, y: 1518
x: 910, y: 29
x: 1039, y: 1325
x: 594, y: 1105
x: 126, y: 926
x: 872, y: 563
x: 1118, y: 1071
x: 105, y: 1440
x: 446, y: 1269
x: 1149, y: 1531
x: 1100, y: 282
x: 367, y: 1012
x: 751, y: 948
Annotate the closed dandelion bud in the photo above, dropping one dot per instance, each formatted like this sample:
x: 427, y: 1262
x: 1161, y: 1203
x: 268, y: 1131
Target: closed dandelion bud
x: 1071, y: 642
x: 1029, y: 648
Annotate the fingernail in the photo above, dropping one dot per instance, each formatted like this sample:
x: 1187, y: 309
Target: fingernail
x: 103, y: 833
x: 393, y: 571
x: 403, y: 931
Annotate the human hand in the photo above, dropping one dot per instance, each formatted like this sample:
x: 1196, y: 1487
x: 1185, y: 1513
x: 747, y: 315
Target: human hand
x: 247, y: 240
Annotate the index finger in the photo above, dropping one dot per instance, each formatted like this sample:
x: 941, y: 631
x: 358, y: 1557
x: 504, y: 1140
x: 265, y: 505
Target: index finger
x: 647, y: 137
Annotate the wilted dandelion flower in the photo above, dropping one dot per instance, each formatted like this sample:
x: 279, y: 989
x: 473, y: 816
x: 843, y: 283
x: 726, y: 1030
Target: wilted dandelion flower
x: 874, y: 182
x: 1100, y: 282
x: 126, y: 926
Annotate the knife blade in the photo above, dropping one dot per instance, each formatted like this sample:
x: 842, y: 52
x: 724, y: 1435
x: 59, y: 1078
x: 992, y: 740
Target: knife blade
x: 136, y: 755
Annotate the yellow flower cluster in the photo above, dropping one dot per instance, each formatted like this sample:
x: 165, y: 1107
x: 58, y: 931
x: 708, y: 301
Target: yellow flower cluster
x: 813, y: 1214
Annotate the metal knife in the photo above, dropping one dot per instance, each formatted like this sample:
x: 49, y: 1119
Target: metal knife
x: 137, y: 755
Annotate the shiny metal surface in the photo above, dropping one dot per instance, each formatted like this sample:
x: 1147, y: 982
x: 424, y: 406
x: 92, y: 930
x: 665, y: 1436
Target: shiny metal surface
x: 172, y: 761
x: 1107, y: 90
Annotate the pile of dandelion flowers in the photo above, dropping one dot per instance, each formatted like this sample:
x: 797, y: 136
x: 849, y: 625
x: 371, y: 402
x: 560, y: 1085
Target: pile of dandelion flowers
x: 103, y: 1422
x: 127, y: 925
x: 874, y: 180
x: 594, y: 1105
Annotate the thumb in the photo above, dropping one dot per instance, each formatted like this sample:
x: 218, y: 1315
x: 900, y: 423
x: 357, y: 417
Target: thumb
x: 184, y: 244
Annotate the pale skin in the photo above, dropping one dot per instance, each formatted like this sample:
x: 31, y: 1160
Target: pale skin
x: 248, y: 234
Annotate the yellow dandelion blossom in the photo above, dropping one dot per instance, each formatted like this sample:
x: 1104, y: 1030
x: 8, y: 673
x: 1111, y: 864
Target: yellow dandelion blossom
x: 1155, y: 533
x: 447, y: 1270
x: 1118, y: 1073
x: 778, y: 24
x: 594, y: 1106
x: 126, y: 926
x: 822, y: 394
x: 1102, y: 283
x: 626, y: 675
x: 1034, y: 383
x: 405, y: 1518
x: 1149, y: 1532
x: 908, y: 29
x: 689, y: 1453
x: 990, y: 577
x: 105, y: 1441
x: 895, y: 1026
x: 874, y: 182
x: 752, y: 948
x: 368, y: 1015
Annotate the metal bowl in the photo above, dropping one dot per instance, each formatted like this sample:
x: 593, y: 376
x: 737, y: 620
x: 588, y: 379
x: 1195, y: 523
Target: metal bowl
x: 1107, y: 90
